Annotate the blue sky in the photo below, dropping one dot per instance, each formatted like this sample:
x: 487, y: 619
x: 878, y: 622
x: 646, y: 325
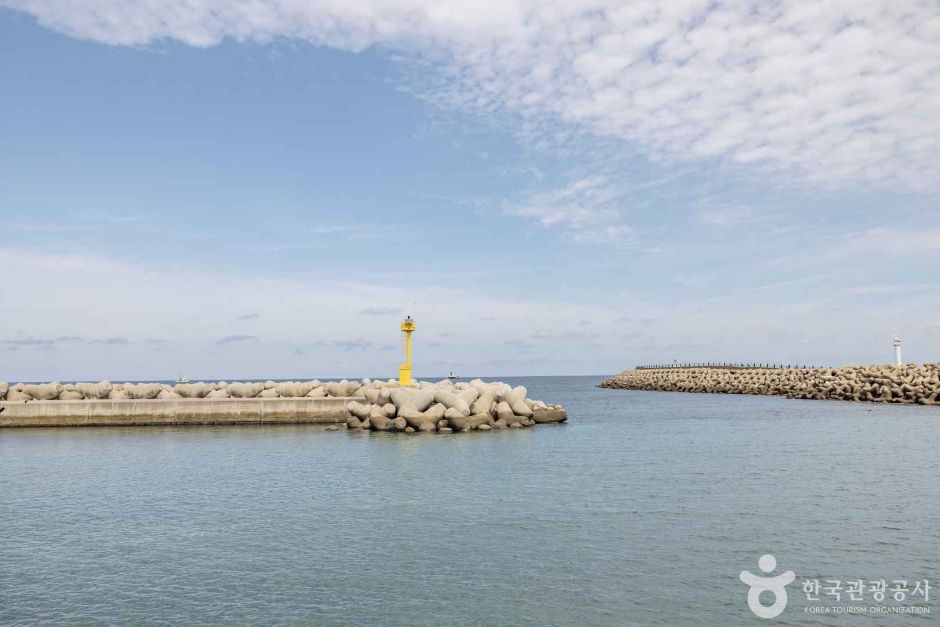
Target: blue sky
x: 262, y: 189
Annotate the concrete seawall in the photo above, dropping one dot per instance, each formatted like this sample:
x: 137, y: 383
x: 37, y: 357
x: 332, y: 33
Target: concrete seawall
x: 908, y: 384
x: 36, y: 413
x: 441, y: 407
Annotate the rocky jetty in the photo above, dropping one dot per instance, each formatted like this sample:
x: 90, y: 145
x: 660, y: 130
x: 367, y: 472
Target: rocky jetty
x: 444, y: 406
x: 105, y: 390
x: 911, y: 383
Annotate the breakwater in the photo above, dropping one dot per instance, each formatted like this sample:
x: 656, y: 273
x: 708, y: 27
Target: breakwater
x: 444, y: 406
x: 909, y: 384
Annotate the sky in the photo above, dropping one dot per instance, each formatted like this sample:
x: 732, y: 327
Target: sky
x: 264, y: 188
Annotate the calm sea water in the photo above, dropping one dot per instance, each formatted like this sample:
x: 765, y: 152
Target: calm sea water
x: 643, y: 510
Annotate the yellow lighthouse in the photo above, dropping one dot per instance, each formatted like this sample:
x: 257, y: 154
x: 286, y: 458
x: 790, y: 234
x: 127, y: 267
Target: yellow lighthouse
x: 404, y: 370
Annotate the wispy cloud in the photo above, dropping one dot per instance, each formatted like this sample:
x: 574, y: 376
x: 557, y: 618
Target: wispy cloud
x: 519, y: 345
x: 109, y: 218
x: 114, y: 341
x: 358, y: 344
x: 726, y: 216
x: 231, y: 339
x: 882, y: 289
x: 836, y: 93
x: 889, y: 240
x: 34, y: 341
x: 249, y: 316
x: 348, y: 231
x: 381, y: 311
x: 583, y: 210
x: 29, y: 341
x: 82, y: 222
x: 563, y: 335
x: 779, y: 322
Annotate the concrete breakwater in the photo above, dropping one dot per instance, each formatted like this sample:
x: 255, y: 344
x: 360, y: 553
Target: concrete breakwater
x: 365, y: 404
x: 105, y: 390
x: 179, y: 411
x: 445, y: 407
x: 911, y: 383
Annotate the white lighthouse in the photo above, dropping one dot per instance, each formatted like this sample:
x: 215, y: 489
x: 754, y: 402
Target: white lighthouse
x: 897, y: 352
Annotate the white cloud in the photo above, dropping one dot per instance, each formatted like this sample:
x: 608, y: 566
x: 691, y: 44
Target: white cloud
x: 889, y: 241
x: 381, y: 311
x: 351, y: 231
x: 187, y: 316
x: 231, y: 339
x: 883, y: 289
x: 726, y: 216
x: 838, y: 93
x: 128, y: 321
x: 583, y: 210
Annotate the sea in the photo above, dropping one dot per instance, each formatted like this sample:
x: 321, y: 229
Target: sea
x: 643, y: 509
